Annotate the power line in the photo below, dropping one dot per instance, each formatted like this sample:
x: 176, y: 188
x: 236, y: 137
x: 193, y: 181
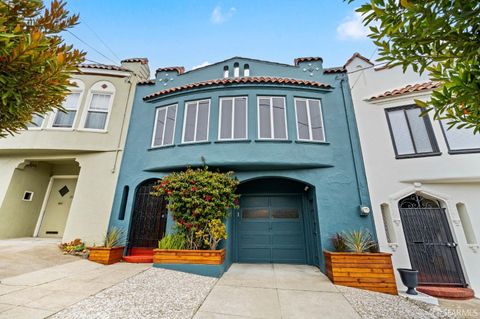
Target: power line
x: 359, y: 76
x: 106, y: 57
x: 101, y: 40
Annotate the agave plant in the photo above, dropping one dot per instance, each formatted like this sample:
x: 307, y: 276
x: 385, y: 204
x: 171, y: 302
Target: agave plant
x: 113, y: 237
x: 359, y: 241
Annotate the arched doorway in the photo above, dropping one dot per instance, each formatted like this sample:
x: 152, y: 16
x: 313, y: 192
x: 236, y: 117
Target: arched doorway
x: 149, y: 218
x: 430, y: 243
x: 276, y: 222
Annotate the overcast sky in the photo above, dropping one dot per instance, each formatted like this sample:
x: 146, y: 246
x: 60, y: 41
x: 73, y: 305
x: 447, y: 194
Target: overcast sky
x: 197, y: 32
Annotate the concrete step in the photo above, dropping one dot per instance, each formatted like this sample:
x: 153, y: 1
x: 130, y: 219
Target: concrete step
x: 454, y: 293
x: 138, y: 259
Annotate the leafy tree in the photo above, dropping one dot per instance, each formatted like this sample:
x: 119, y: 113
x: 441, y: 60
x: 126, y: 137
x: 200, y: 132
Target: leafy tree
x: 35, y: 63
x: 438, y: 36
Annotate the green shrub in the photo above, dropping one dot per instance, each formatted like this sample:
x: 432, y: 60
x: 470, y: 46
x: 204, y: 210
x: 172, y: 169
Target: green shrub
x: 173, y: 241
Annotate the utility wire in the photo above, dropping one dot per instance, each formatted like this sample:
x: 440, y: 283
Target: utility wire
x: 101, y: 40
x: 106, y: 57
x: 360, y: 75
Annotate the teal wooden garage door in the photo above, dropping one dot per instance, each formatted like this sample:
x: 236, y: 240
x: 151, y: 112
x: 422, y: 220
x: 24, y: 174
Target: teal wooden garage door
x: 269, y: 229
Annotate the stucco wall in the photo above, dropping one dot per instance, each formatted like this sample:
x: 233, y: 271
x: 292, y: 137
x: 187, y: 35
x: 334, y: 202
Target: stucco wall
x: 452, y: 178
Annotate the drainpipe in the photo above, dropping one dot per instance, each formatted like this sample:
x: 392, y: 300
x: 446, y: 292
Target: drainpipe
x: 117, y: 150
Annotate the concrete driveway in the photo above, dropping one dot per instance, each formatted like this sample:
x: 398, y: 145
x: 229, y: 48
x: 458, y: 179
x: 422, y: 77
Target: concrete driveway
x: 275, y: 291
x: 24, y: 255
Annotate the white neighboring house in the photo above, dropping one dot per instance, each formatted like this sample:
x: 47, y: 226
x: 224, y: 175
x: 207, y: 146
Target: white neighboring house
x: 424, y: 180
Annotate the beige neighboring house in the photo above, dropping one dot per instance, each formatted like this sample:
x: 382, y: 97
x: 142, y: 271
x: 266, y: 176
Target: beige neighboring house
x: 57, y: 179
x: 424, y: 180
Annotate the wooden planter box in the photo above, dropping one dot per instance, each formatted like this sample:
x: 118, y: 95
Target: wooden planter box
x: 106, y: 256
x: 174, y: 256
x: 369, y: 271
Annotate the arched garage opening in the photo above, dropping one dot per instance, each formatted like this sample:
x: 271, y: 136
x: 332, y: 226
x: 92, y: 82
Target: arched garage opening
x: 276, y: 222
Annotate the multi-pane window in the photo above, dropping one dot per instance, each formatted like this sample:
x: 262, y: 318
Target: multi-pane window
x: 309, y: 120
x: 97, y: 112
x: 272, y: 118
x: 36, y: 122
x: 461, y: 140
x: 164, y: 130
x: 233, y: 118
x: 196, y: 120
x: 66, y: 118
x: 412, y: 134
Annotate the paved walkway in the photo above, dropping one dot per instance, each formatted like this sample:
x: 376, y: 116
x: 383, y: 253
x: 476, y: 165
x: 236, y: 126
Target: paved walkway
x: 44, y: 292
x: 23, y: 255
x: 275, y: 291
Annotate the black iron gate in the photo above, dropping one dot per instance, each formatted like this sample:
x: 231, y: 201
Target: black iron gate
x: 149, y: 218
x: 430, y: 242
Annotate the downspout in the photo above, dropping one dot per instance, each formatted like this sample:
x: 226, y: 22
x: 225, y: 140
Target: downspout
x: 117, y: 150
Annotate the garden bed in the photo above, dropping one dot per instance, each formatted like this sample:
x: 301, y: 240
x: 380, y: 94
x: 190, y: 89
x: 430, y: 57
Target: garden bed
x: 176, y: 256
x: 106, y: 256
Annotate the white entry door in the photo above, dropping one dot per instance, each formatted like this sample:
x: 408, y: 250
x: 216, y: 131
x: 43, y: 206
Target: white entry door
x: 57, y: 207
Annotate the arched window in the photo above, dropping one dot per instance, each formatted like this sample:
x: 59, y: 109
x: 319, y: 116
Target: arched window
x: 99, y: 104
x: 236, y: 69
x: 71, y: 104
x: 246, y: 70
x: 123, y: 203
x: 388, y: 223
x: 225, y: 71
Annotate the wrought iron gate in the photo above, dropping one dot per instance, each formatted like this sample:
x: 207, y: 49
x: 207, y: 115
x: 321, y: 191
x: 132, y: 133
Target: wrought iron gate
x: 149, y: 218
x: 430, y: 242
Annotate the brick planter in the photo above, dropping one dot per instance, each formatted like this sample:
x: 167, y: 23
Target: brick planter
x: 368, y: 271
x: 106, y: 256
x: 174, y: 256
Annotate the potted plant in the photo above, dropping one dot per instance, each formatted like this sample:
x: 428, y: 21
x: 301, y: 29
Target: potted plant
x: 199, y: 201
x: 357, y: 263
x: 110, y: 252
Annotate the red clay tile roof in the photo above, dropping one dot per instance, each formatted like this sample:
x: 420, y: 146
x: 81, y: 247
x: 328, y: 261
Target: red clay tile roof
x: 243, y: 80
x: 357, y: 55
x: 339, y: 69
x: 133, y: 60
x: 307, y: 59
x: 178, y: 69
x: 103, y: 67
x: 146, y: 82
x: 407, y: 89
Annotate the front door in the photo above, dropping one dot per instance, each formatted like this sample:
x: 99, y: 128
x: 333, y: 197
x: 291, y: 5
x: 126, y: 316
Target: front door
x: 57, y: 208
x: 430, y: 242
x: 149, y: 219
x: 269, y: 229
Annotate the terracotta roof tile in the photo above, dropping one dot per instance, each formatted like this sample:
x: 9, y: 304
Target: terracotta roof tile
x: 146, y: 82
x: 178, y: 69
x: 407, y: 89
x: 339, y: 69
x: 307, y: 59
x: 133, y: 60
x: 357, y: 55
x: 103, y: 67
x: 242, y: 80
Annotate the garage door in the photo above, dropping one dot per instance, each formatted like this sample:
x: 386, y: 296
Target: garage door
x: 269, y: 229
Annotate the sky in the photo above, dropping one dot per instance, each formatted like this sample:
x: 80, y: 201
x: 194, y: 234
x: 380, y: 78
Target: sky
x: 193, y: 33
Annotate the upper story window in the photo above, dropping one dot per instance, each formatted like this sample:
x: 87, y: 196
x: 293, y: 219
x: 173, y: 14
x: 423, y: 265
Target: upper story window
x: 71, y: 104
x: 272, y: 118
x: 412, y: 135
x: 100, y: 100
x: 163, y: 132
x: 196, y: 120
x: 36, y: 123
x: 460, y: 140
x: 233, y: 118
x: 309, y: 120
x: 236, y: 69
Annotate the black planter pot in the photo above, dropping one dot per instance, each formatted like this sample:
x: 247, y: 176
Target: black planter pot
x: 409, y: 279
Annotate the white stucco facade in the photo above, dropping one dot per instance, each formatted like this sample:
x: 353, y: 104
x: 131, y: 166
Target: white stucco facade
x: 90, y: 153
x: 451, y: 178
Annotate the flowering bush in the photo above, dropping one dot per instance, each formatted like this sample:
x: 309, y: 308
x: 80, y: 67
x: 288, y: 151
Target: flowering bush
x: 199, y: 201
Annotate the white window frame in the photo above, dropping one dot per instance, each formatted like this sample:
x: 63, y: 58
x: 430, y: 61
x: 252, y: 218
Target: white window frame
x: 38, y: 128
x: 310, y: 129
x: 80, y: 88
x: 164, y: 126
x: 94, y: 90
x: 197, y: 102
x: 233, y: 118
x: 271, y: 118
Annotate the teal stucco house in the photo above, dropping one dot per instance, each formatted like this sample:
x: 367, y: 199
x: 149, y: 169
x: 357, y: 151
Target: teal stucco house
x: 287, y: 131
